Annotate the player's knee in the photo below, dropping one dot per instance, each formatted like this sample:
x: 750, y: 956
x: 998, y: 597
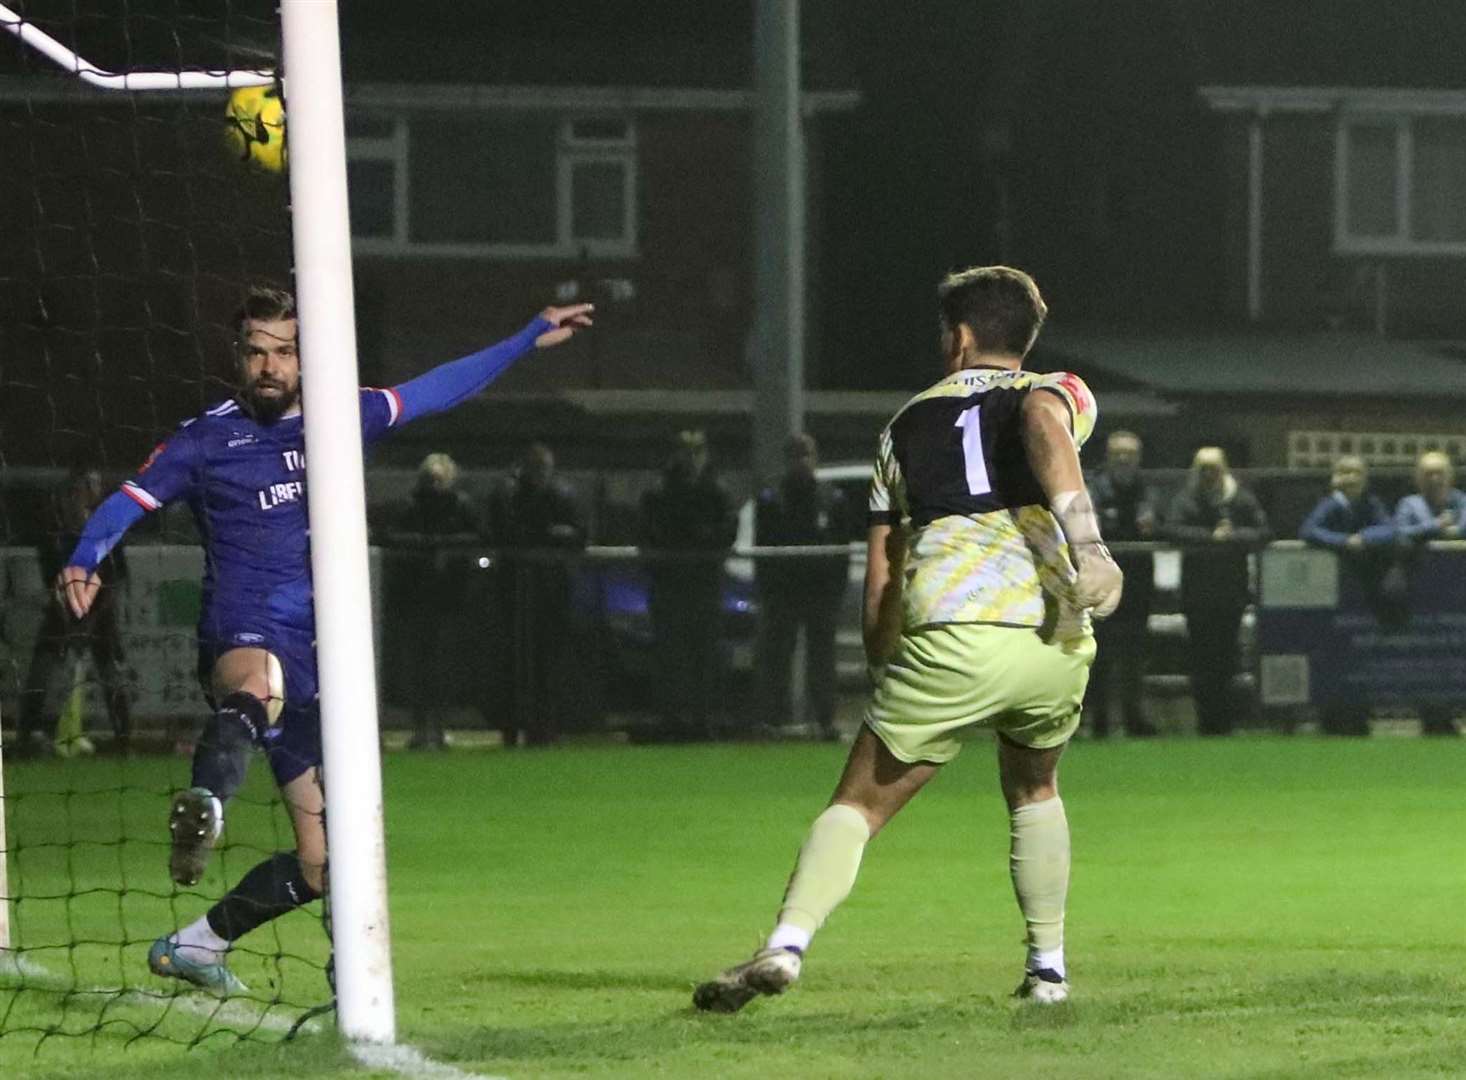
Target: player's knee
x: 241, y: 719
x: 221, y: 758
x: 1022, y: 787
x: 1027, y: 775
x: 1026, y: 794
x: 263, y: 681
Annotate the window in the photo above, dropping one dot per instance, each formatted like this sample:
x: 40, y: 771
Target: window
x: 495, y: 185
x: 1400, y: 185
x: 376, y: 178
x: 1438, y: 179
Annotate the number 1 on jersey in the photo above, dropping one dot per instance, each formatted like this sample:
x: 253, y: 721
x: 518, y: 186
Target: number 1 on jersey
x: 970, y: 421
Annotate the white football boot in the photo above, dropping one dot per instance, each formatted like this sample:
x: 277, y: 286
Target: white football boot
x: 771, y: 971
x: 1043, y: 987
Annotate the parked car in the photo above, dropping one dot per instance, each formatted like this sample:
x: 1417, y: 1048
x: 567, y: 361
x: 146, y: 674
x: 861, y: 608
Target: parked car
x: 611, y: 605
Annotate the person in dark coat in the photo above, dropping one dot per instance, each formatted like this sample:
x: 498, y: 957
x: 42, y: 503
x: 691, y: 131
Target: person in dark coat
x: 1218, y: 522
x: 796, y: 592
x: 1126, y: 505
x: 535, y: 522
x: 60, y: 635
x: 433, y: 539
x: 687, y: 528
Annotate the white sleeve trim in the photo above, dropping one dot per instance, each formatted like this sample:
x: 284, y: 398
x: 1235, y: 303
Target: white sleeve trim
x: 141, y: 496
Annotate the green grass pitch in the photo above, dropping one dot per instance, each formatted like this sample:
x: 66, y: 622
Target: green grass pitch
x: 1261, y: 907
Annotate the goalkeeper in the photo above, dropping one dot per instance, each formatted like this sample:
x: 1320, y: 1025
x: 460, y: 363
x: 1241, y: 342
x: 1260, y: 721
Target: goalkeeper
x: 985, y: 562
x: 241, y: 468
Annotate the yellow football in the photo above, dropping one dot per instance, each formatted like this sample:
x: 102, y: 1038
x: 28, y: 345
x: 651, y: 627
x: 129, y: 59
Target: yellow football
x: 255, y: 127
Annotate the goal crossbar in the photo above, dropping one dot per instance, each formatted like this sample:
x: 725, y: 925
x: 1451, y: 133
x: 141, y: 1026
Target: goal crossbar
x: 102, y: 79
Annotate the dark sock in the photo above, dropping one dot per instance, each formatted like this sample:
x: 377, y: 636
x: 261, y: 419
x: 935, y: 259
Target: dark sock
x: 273, y: 888
x: 222, y: 754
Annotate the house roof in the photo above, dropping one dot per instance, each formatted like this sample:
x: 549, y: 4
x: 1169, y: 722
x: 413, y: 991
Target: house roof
x: 1329, y: 99
x: 1319, y: 365
x: 1403, y: 43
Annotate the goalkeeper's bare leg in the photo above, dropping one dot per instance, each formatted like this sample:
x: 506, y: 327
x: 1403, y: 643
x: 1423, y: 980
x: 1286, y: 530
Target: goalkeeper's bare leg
x: 873, y: 788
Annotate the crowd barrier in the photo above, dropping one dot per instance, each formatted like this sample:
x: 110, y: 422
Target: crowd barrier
x: 1318, y: 633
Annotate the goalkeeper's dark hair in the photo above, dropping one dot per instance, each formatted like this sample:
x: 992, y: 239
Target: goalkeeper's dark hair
x: 1000, y: 305
x: 264, y: 303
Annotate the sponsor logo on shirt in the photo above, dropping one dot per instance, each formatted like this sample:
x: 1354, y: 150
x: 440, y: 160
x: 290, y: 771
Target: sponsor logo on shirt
x: 241, y: 440
x: 279, y: 494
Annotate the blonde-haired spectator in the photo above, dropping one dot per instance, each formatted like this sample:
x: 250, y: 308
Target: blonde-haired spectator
x: 1218, y: 522
x: 1437, y: 511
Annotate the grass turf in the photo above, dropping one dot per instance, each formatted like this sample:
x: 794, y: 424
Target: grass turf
x: 1262, y: 907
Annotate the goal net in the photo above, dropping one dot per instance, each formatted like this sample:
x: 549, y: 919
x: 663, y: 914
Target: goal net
x: 129, y: 230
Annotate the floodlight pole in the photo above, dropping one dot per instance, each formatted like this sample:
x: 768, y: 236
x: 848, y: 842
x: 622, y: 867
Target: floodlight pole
x: 779, y: 195
x: 336, y: 492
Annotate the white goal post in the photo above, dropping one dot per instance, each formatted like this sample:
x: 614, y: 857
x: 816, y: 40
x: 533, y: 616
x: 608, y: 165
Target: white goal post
x: 315, y: 130
x: 316, y: 136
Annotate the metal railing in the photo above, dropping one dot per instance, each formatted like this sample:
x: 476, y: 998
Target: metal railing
x: 496, y: 639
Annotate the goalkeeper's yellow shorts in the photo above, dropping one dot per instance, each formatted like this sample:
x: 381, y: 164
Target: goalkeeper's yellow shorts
x: 949, y: 681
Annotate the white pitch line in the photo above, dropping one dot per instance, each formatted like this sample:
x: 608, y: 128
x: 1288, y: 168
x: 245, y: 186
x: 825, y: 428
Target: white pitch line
x: 398, y: 1058
x: 230, y: 1011
x: 241, y: 1011
x: 15, y: 965
x: 410, y: 1061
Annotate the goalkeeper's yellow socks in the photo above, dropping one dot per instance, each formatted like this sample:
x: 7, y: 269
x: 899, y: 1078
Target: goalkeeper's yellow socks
x: 1039, y: 862
x: 823, y: 875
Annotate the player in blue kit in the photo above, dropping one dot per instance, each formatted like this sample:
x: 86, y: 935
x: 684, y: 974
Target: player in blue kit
x: 241, y: 468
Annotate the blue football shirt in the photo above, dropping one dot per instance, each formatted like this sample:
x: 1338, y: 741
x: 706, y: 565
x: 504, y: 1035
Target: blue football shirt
x: 245, y: 482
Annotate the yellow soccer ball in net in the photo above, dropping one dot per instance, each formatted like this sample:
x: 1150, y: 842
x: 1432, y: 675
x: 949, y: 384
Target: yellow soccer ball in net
x: 255, y: 128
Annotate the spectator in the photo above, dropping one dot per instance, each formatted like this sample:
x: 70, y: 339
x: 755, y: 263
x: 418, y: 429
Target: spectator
x: 1436, y: 512
x: 687, y: 529
x: 1354, y: 523
x: 61, y: 635
x: 799, y: 592
x: 534, y: 520
x: 1127, y: 509
x: 431, y: 534
x: 1217, y: 521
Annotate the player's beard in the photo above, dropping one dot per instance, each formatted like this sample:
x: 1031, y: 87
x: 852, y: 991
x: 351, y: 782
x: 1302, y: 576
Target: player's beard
x: 266, y: 409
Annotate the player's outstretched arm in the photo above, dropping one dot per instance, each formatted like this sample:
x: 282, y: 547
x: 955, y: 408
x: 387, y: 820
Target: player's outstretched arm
x: 78, y: 582
x: 453, y: 383
x: 1054, y: 459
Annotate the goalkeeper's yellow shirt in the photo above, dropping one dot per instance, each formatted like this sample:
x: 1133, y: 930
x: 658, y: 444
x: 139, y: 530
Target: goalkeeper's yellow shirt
x: 982, y: 545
